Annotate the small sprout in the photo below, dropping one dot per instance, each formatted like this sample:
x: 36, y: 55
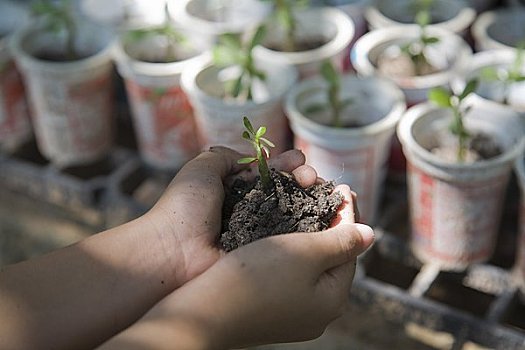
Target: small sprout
x: 335, y: 104
x: 283, y: 12
x: 167, y: 30
x: 416, y: 49
x: 231, y: 51
x: 445, y: 99
x: 262, y: 151
x: 508, y: 76
x: 58, y: 17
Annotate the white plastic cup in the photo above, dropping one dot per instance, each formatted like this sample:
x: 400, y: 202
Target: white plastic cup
x: 451, y: 52
x: 355, y: 155
x: 329, y: 23
x: 162, y: 114
x: 72, y: 102
x: 456, y: 15
x: 455, y: 209
x: 208, y: 19
x: 499, y: 29
x: 219, y: 122
x: 15, y: 125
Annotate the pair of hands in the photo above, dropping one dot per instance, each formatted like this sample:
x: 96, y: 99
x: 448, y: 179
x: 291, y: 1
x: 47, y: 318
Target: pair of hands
x: 279, y: 289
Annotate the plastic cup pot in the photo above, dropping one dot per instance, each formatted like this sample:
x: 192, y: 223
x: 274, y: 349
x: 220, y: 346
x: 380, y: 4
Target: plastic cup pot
x: 355, y: 153
x: 499, y: 29
x: 15, y: 125
x: 71, y: 101
x: 162, y: 115
x: 455, y: 208
x: 219, y: 120
x: 330, y: 38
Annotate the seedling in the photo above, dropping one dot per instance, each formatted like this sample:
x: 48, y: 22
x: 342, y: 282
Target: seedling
x: 58, y: 17
x: 232, y: 51
x: 283, y: 12
x: 173, y: 37
x: 446, y: 99
x: 335, y: 104
x: 416, y: 49
x: 507, y: 76
x: 262, y: 151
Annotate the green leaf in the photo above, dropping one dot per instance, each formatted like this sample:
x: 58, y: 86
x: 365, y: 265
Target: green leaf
x: 223, y: 56
x: 246, y: 135
x: 471, y: 86
x: 268, y: 142
x: 440, y: 97
x: 329, y: 73
x: 423, y: 18
x: 260, y: 132
x: 257, y: 37
x: 489, y: 73
x: 248, y: 125
x: 231, y: 40
x: 246, y: 160
x: 430, y: 40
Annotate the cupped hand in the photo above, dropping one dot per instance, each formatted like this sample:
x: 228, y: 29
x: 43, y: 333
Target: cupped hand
x: 187, y: 218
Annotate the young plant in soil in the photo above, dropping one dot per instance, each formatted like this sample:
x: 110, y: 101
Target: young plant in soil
x: 416, y: 49
x: 236, y: 57
x: 445, y: 99
x: 506, y: 76
x: 167, y: 31
x: 260, y: 144
x: 274, y: 203
x: 58, y: 18
x: 284, y: 13
x: 335, y: 104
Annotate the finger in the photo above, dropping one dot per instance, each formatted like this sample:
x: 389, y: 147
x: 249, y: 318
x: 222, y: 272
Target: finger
x: 287, y: 161
x: 305, y: 175
x: 335, y: 283
x: 345, y: 213
x: 357, y: 216
x: 219, y: 161
x: 341, y: 244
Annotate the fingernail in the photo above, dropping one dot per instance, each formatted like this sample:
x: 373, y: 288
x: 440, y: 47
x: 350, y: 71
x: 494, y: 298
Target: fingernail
x: 367, y: 234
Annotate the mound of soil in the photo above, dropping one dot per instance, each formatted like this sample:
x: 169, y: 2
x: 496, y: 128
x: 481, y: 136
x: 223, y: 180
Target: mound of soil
x: 251, y: 213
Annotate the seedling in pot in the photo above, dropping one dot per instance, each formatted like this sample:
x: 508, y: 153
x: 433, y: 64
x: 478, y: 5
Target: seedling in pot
x: 172, y: 36
x: 236, y: 56
x: 284, y: 13
x: 262, y: 151
x: 507, y: 76
x: 416, y: 49
x: 335, y: 104
x: 444, y: 98
x: 58, y: 18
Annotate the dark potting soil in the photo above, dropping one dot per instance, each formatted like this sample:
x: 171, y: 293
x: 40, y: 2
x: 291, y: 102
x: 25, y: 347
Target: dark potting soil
x: 300, y: 45
x: 479, y: 147
x: 400, y: 65
x: 57, y: 57
x: 250, y: 213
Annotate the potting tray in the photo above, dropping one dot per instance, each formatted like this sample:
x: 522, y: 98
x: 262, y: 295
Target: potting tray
x: 481, y: 305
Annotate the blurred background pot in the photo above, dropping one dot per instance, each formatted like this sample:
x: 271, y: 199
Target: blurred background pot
x: 163, y: 118
x: 520, y: 251
x: 355, y: 153
x: 331, y: 27
x: 455, y: 209
x: 499, y: 29
x: 71, y: 101
x: 208, y: 19
x: 219, y: 120
x: 452, y: 15
x: 15, y: 125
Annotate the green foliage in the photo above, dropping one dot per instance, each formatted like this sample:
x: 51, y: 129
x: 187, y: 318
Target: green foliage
x: 508, y: 76
x: 335, y: 104
x: 166, y: 30
x: 445, y: 99
x: 232, y: 51
x: 283, y: 11
x: 58, y: 17
x: 416, y: 49
x: 262, y: 151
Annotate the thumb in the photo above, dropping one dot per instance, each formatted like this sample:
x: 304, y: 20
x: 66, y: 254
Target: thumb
x: 343, y: 243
